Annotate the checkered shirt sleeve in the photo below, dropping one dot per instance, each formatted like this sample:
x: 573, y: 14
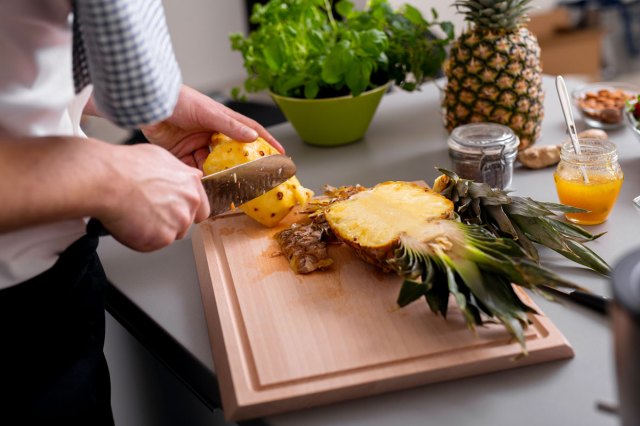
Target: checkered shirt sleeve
x: 123, y: 48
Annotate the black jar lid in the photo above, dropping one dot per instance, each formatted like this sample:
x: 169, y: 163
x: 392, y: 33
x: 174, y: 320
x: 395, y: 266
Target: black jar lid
x: 483, y: 138
x: 626, y: 282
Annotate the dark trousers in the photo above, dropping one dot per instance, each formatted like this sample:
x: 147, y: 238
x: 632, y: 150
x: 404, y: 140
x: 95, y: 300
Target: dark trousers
x: 52, y: 368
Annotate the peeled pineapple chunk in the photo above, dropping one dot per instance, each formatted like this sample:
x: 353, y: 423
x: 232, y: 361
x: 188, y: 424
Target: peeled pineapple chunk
x: 268, y: 209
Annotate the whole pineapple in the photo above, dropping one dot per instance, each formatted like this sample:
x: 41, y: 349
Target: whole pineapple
x: 493, y: 70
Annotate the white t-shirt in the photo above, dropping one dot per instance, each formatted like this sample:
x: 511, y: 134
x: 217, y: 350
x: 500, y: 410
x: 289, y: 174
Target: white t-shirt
x: 37, y: 99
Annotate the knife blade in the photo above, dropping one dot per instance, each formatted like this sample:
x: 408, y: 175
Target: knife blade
x: 236, y: 185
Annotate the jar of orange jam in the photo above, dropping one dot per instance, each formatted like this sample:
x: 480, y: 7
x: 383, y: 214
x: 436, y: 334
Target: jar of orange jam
x: 598, y: 161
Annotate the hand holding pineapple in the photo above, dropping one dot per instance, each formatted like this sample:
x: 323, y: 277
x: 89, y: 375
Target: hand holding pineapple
x: 268, y: 209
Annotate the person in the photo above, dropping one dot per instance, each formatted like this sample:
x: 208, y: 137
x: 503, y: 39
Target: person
x: 62, y: 59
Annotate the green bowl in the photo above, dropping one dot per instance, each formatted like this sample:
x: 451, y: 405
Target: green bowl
x: 331, y: 121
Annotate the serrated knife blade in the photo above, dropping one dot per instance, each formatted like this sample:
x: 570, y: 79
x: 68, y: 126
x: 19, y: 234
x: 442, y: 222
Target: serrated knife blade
x: 236, y: 185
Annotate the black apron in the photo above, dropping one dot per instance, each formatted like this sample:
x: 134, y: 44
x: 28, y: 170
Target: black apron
x: 52, y: 368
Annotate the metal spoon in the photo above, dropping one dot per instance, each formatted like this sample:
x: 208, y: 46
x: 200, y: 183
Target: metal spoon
x: 565, y: 103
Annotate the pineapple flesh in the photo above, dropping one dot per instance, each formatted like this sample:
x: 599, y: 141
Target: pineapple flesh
x: 494, y: 73
x: 270, y: 208
x: 373, y: 221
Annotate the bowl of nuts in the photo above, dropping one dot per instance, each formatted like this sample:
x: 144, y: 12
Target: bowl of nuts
x: 602, y: 105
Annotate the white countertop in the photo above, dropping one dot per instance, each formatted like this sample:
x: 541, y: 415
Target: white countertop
x: 406, y: 141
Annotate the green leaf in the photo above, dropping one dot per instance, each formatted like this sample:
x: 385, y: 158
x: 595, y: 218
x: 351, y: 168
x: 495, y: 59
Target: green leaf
x: 524, y: 207
x: 357, y: 77
x: 527, y: 245
x: 316, y: 40
x: 541, y: 232
x: 413, y: 15
x: 373, y: 42
x: 571, y: 230
x: 459, y: 297
x: 410, y: 292
x: 311, y: 90
x: 340, y: 57
x: 344, y: 8
x: 448, y: 29
x: 237, y: 40
x: 409, y: 86
x: 437, y: 296
x: 587, y: 257
x: 235, y: 93
x: 501, y: 219
x: 559, y: 208
x: 293, y: 82
x: 273, y: 54
x: 332, y: 70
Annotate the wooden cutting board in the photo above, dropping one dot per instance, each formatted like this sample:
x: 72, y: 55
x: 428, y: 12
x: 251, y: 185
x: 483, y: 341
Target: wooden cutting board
x: 282, y: 341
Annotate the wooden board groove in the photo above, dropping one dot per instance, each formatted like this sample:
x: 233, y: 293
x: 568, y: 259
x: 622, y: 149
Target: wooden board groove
x: 283, y: 342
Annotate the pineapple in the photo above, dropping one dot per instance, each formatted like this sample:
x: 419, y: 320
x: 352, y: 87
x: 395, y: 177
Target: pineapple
x: 404, y: 208
x: 430, y: 239
x: 270, y: 208
x: 493, y: 70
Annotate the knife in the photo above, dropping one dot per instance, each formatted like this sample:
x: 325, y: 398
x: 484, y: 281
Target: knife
x: 236, y: 185
x: 594, y: 302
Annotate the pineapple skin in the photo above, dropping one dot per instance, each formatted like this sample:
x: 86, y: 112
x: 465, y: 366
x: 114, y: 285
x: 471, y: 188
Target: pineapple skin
x: 496, y: 76
x: 270, y: 208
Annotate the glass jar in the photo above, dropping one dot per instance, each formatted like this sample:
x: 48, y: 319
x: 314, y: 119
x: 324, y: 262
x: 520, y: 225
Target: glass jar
x: 590, y: 180
x: 484, y: 152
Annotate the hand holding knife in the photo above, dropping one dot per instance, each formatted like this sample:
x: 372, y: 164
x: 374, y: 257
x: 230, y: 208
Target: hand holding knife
x: 235, y: 186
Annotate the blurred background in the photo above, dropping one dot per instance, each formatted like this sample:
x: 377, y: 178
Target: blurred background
x: 591, y: 40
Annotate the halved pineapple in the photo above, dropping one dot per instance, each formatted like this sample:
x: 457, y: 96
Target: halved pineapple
x: 373, y: 221
x: 268, y: 209
x: 413, y: 231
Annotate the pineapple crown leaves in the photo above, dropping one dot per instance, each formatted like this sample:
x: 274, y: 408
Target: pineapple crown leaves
x: 478, y: 272
x: 525, y: 220
x: 505, y: 15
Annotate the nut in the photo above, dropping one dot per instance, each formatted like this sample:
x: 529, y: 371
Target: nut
x: 604, y: 105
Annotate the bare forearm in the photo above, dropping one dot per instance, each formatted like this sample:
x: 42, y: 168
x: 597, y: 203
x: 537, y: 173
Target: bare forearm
x: 44, y: 180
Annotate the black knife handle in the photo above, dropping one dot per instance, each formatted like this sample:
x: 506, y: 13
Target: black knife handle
x: 597, y: 303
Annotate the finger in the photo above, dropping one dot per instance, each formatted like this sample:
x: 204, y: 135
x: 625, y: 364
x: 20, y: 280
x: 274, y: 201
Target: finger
x: 196, y: 159
x: 218, y: 119
x: 180, y: 235
x: 203, y: 210
x: 189, y: 160
x: 191, y: 143
x: 255, y: 126
x: 200, y: 156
